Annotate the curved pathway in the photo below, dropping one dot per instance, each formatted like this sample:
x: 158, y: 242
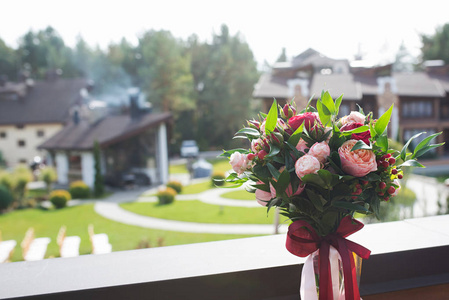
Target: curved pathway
x: 110, y: 209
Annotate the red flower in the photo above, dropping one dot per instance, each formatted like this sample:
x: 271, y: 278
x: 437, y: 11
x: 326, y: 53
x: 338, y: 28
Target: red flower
x: 362, y: 136
x: 307, y: 118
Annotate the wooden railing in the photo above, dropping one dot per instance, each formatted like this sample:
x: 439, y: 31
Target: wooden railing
x: 409, y: 261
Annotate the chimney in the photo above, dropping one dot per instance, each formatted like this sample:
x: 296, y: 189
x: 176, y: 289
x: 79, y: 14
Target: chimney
x: 134, y: 109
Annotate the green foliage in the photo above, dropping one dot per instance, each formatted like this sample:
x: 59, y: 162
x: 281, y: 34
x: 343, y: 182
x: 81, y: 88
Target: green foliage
x: 99, y: 181
x: 48, y: 175
x: 8, y: 63
x: 436, y: 46
x: 79, y: 190
x: 59, y: 198
x: 166, y: 196
x: 218, y: 178
x: 21, y: 176
x: 5, y: 197
x: 175, y: 185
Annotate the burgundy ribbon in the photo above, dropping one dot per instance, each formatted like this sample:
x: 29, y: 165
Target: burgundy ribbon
x: 303, y: 240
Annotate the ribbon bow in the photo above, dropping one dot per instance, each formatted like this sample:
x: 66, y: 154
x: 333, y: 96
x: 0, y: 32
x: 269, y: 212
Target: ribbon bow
x: 303, y: 240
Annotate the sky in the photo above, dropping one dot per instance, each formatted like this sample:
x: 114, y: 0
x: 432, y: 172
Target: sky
x: 337, y: 29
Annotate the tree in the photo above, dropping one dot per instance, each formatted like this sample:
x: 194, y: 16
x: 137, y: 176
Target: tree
x: 282, y: 57
x: 404, y: 61
x: 436, y: 46
x: 8, y: 61
x: 99, y: 181
x: 48, y: 175
x: 225, y: 81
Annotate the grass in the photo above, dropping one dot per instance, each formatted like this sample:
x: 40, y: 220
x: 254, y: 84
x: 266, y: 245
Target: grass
x: 218, y: 165
x: 178, y: 169
x: 197, y: 211
x: 239, y: 195
x: 122, y: 237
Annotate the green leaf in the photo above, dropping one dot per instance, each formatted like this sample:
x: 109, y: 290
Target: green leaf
x: 338, y: 103
x: 411, y: 163
x: 296, y: 136
x: 326, y: 176
x: 230, y: 152
x: 428, y: 148
x: 272, y: 118
x: 382, y: 142
x: 274, y: 172
x: 350, y: 206
x: 328, y: 102
x: 315, y: 199
x: 404, y: 149
x: 282, y: 183
x: 371, y: 177
x: 313, y: 179
x: 325, y: 118
x: 360, y: 145
x: 274, y: 150
x: 383, y: 121
x: 249, y: 131
x: 356, y: 130
x: 424, y: 143
x: 372, y: 130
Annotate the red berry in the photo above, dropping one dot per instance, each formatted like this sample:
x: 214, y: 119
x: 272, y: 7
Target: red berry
x: 364, y: 182
x: 251, y: 156
x: 380, y: 193
x: 391, y: 190
x: 386, y: 198
x: 358, y: 186
x: 394, y: 171
x: 400, y: 176
x: 384, y: 164
x: 382, y: 185
x: 392, y: 161
x: 388, y: 155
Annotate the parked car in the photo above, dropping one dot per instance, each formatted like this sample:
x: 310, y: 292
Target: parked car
x: 189, y: 148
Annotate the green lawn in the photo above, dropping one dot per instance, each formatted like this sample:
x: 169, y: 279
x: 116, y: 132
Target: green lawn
x: 122, y: 237
x: 197, y: 211
x: 239, y: 195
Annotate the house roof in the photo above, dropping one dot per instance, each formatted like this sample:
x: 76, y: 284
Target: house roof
x: 418, y: 84
x: 270, y: 86
x: 45, y: 102
x: 336, y: 84
x: 108, y: 131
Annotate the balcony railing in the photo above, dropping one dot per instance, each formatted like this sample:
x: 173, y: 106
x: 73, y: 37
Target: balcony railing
x: 409, y: 261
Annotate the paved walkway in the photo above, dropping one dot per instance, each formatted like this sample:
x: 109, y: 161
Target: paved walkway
x: 110, y: 209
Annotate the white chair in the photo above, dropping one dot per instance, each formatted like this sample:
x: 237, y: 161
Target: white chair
x: 100, y: 242
x: 34, y: 248
x: 68, y: 245
x: 6, y: 250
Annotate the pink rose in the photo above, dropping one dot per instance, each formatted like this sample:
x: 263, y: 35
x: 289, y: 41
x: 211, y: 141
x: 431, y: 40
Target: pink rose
x: 354, y: 116
x: 263, y: 197
x: 239, y: 162
x: 357, y: 163
x: 320, y: 151
x: 306, y: 164
x: 302, y: 145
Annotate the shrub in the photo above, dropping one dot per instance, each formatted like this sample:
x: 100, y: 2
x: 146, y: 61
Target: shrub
x: 59, y: 198
x: 5, y: 198
x: 176, y: 185
x: 218, y: 178
x: 79, y: 190
x: 48, y: 175
x: 166, y: 196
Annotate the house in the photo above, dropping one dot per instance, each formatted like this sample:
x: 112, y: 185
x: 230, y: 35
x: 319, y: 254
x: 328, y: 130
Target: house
x: 32, y: 111
x: 133, y: 146
x: 421, y: 99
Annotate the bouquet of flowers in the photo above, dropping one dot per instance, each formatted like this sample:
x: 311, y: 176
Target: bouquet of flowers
x: 320, y: 170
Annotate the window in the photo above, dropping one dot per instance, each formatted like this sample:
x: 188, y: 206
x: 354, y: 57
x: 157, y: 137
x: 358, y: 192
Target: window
x: 2, y: 135
x: 40, y: 133
x: 20, y: 126
x: 417, y: 109
x: 21, y: 143
x: 22, y: 161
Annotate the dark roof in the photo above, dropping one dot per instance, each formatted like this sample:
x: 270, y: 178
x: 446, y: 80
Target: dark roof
x: 46, y: 102
x: 417, y: 84
x: 336, y: 84
x: 108, y: 131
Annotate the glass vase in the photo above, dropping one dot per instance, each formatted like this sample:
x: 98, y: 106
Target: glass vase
x: 339, y: 288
